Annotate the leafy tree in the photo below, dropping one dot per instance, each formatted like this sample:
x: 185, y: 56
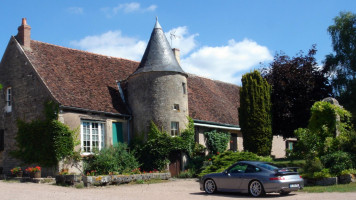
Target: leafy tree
x: 329, y: 130
x: 255, y: 114
x: 342, y: 64
x: 297, y: 83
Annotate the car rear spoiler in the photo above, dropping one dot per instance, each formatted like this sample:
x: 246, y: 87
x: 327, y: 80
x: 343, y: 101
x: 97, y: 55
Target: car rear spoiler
x: 286, y: 171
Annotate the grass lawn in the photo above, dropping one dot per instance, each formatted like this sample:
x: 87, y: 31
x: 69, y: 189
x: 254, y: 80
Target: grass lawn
x: 351, y: 187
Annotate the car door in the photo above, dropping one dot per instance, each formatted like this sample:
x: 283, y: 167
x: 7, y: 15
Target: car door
x: 251, y: 172
x: 231, y: 180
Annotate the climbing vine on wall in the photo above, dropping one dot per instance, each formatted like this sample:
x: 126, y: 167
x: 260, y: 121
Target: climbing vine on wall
x: 44, y: 142
x: 216, y: 141
x: 160, y: 147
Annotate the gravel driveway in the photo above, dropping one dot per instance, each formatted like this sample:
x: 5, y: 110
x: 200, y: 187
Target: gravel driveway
x: 176, y: 189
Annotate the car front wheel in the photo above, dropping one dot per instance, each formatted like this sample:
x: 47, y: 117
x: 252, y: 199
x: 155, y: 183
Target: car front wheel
x: 209, y: 186
x: 256, y: 189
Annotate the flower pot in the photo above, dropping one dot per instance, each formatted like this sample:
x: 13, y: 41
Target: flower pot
x: 35, y: 174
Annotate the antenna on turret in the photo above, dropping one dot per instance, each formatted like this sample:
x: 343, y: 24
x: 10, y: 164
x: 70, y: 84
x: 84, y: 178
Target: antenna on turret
x: 173, y: 36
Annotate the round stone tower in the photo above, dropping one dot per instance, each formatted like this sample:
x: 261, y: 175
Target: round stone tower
x: 157, y: 90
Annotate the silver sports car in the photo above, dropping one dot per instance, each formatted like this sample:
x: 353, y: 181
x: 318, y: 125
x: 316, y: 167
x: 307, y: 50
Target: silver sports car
x: 254, y: 177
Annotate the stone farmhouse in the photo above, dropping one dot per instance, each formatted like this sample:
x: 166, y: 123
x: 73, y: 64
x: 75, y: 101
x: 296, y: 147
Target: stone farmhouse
x: 111, y: 99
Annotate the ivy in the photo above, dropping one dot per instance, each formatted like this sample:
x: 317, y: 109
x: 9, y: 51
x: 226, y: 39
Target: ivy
x: 160, y: 148
x: 44, y: 142
x: 216, y: 141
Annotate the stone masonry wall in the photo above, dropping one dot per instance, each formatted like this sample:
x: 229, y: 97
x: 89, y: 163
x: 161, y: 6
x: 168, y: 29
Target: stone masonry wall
x: 151, y: 96
x: 28, y: 97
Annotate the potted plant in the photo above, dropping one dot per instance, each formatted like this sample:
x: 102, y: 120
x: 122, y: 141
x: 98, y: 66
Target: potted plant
x: 16, y: 171
x: 34, y: 172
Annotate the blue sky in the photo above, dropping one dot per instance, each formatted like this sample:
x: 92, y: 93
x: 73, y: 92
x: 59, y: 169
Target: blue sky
x: 218, y: 39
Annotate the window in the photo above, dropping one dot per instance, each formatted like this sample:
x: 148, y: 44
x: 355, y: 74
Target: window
x: 290, y: 146
x: 92, y: 136
x: 184, y: 88
x: 8, y: 107
x: 2, y: 137
x: 176, y: 107
x: 174, y: 128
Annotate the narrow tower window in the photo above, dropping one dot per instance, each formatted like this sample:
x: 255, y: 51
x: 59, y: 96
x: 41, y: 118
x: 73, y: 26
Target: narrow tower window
x: 176, y: 107
x: 8, y: 99
x: 174, y: 128
x: 184, y: 88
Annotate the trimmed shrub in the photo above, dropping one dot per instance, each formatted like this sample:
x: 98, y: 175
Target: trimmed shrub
x: 224, y: 160
x: 112, y: 159
x: 337, y: 162
x: 255, y: 114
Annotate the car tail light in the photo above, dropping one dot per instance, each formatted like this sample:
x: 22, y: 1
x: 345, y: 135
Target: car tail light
x: 300, y: 177
x: 277, y: 178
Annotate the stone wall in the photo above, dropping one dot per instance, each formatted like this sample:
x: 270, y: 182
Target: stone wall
x: 279, y: 146
x: 28, y: 97
x: 151, y: 97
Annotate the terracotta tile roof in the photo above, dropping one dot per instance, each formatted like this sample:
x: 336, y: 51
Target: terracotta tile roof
x: 85, y: 80
x: 212, y: 100
x: 81, y: 79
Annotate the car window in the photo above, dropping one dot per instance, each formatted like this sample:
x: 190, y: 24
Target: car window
x: 268, y: 166
x: 239, y: 168
x: 252, y: 169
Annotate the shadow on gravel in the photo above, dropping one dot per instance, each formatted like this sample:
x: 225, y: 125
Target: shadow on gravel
x: 240, y: 195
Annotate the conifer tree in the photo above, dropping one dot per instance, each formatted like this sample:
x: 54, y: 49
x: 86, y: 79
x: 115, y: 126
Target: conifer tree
x: 255, y: 114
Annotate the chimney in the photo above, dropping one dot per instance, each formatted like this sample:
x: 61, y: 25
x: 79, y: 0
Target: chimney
x: 176, y: 53
x: 24, y: 34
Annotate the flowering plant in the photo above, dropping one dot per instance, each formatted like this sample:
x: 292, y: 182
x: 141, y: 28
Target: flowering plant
x: 33, y: 169
x: 64, y: 172
x: 91, y: 173
x: 16, y: 170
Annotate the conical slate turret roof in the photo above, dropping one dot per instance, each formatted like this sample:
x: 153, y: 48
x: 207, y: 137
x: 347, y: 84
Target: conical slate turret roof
x: 158, y: 55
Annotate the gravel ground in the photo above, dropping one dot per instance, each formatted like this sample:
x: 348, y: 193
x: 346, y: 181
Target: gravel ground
x: 175, y: 189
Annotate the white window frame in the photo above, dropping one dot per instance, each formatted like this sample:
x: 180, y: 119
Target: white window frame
x: 174, y: 129
x: 101, y: 136
x: 8, y: 106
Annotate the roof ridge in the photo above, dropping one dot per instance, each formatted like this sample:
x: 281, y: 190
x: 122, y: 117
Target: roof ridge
x: 87, y: 52
x: 189, y: 74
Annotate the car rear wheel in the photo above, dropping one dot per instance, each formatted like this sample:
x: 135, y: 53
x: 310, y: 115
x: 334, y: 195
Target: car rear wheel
x: 209, y: 186
x: 256, y: 188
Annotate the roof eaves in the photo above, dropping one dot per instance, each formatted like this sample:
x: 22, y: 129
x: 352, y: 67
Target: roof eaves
x: 215, y: 123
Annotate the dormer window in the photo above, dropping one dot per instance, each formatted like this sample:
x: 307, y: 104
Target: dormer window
x: 8, y: 106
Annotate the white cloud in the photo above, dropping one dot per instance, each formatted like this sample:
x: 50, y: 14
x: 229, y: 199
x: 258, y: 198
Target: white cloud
x: 182, y: 40
x: 113, y: 43
x: 128, y: 8
x: 226, y: 63
x: 75, y: 10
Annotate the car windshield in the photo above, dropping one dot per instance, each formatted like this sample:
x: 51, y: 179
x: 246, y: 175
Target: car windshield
x: 268, y: 166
